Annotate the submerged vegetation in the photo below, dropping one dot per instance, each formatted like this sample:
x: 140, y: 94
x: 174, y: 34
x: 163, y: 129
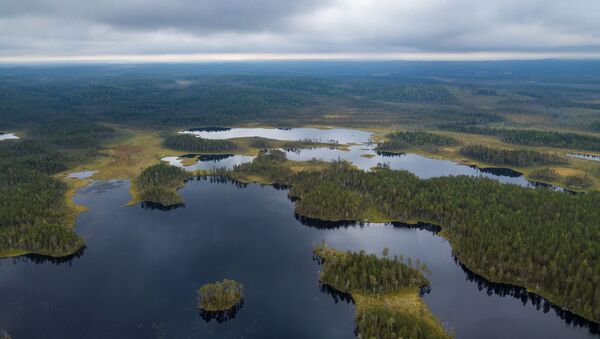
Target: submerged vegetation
x: 385, y: 291
x: 220, y: 296
x: 520, y: 158
x: 159, y: 183
x: 508, y: 233
x: 190, y: 143
x: 404, y: 140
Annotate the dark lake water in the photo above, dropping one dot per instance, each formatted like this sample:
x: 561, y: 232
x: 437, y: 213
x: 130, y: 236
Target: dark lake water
x: 139, y: 274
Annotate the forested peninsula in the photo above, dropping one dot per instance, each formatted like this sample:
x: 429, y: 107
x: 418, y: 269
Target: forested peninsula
x: 530, y: 137
x: 385, y: 291
x: 159, y: 183
x: 511, y: 234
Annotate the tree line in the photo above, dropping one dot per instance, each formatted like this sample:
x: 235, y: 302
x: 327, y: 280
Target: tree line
x: 521, y: 158
x: 530, y: 137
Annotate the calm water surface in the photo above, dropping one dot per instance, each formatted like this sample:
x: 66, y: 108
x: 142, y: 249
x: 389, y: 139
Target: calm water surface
x: 139, y: 274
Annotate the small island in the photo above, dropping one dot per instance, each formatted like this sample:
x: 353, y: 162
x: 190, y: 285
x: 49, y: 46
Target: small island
x: 220, y: 296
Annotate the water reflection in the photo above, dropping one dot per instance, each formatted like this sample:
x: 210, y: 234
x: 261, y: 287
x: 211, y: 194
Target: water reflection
x: 326, y: 224
x: 207, y: 162
x: 155, y: 206
x: 40, y: 259
x: 337, y: 296
x: 221, y: 316
x: 540, y: 303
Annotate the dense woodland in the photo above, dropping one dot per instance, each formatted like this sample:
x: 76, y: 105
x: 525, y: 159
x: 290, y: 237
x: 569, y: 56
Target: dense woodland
x: 220, y: 296
x: 508, y: 233
x: 405, y: 140
x: 159, y: 184
x: 190, y: 143
x: 521, y: 158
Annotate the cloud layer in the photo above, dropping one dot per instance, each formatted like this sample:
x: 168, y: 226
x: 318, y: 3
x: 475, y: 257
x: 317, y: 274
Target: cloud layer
x: 136, y: 27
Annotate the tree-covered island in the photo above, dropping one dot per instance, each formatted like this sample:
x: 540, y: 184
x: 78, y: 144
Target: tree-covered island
x: 220, y: 296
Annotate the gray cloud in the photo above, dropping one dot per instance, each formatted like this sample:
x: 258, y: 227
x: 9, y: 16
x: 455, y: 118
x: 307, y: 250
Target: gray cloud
x: 119, y: 27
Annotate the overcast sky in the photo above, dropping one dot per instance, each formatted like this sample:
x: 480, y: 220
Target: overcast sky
x: 98, y: 29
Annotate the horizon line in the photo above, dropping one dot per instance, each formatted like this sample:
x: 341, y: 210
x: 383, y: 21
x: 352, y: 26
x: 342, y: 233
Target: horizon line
x: 244, y: 57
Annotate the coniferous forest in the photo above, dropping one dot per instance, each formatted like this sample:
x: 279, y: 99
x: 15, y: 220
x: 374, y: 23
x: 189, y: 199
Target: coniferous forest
x: 531, y: 137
